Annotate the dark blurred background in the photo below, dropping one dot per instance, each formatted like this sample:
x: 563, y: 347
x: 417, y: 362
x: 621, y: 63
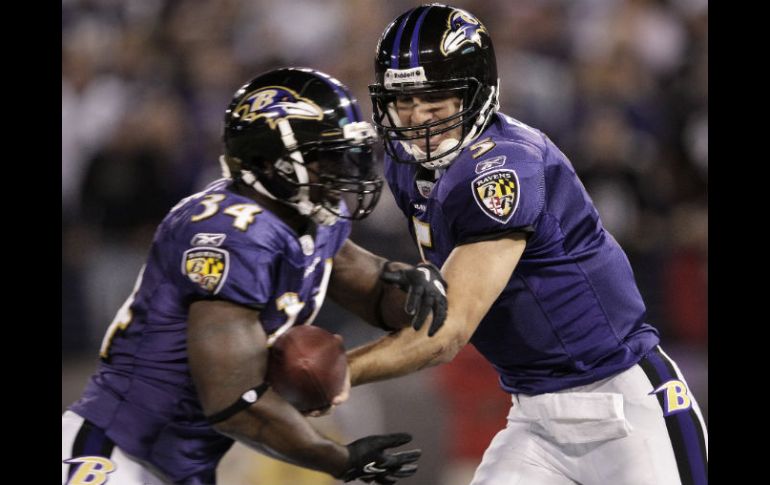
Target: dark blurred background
x: 620, y: 85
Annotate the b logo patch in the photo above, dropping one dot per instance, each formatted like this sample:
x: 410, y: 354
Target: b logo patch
x: 675, y: 398
x: 206, y: 267
x: 91, y: 470
x: 497, y: 193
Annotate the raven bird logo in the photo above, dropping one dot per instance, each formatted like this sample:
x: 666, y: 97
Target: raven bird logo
x: 463, y: 28
x: 275, y: 103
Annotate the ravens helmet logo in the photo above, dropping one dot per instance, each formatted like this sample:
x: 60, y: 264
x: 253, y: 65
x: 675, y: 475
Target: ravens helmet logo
x: 464, y: 28
x: 275, y: 103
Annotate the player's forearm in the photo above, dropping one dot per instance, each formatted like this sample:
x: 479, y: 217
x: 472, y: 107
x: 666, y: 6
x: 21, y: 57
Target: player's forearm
x: 470, y: 295
x: 382, y: 307
x: 390, y: 307
x: 402, y: 353
x: 274, y: 427
x: 355, y: 284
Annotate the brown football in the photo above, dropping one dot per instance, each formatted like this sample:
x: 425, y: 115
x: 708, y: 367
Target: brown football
x: 307, y: 367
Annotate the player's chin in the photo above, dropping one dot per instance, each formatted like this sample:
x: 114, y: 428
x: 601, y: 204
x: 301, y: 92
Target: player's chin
x: 433, y: 142
x: 317, y: 413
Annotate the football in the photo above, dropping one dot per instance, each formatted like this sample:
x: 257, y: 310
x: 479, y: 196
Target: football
x: 307, y: 366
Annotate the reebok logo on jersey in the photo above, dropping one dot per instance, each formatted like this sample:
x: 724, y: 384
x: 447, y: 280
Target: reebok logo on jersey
x: 208, y: 239
x: 206, y: 267
x: 497, y: 194
x: 490, y: 163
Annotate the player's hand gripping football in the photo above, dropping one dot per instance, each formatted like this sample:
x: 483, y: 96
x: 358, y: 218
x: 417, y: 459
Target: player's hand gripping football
x: 370, y: 462
x: 336, y: 401
x: 426, y: 291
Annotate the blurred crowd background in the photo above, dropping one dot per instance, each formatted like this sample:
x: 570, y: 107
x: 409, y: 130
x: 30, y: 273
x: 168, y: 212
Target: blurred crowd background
x: 621, y: 86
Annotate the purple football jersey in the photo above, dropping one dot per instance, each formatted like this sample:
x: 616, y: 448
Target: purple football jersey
x: 571, y: 313
x: 215, y: 244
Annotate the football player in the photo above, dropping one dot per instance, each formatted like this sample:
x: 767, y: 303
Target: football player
x: 232, y: 268
x: 534, y: 280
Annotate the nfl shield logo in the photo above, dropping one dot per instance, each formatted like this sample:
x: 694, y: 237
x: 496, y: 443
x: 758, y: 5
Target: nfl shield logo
x: 424, y: 187
x: 497, y: 194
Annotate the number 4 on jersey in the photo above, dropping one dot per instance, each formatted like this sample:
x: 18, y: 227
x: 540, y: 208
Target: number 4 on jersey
x: 243, y: 213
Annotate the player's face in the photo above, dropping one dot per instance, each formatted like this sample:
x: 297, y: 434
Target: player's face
x: 419, y: 110
x: 317, y: 194
x: 346, y: 174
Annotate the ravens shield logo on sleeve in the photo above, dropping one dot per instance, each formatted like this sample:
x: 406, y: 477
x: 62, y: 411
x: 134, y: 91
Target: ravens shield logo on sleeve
x: 497, y: 193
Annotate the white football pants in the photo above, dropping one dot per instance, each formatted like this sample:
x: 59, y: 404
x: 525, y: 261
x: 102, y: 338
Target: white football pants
x: 640, y: 427
x: 90, y: 458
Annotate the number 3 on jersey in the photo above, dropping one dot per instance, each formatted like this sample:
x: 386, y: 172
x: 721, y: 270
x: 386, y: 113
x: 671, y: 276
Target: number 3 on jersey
x: 243, y: 213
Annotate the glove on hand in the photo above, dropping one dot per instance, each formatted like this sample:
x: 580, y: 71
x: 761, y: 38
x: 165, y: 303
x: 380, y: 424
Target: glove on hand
x: 426, y: 291
x: 369, y: 461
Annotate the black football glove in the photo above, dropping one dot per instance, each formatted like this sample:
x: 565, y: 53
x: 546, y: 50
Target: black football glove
x: 426, y: 291
x: 370, y: 462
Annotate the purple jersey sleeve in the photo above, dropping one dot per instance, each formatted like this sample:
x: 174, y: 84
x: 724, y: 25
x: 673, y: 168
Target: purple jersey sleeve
x: 497, y: 195
x: 216, y: 260
x: 232, y: 272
